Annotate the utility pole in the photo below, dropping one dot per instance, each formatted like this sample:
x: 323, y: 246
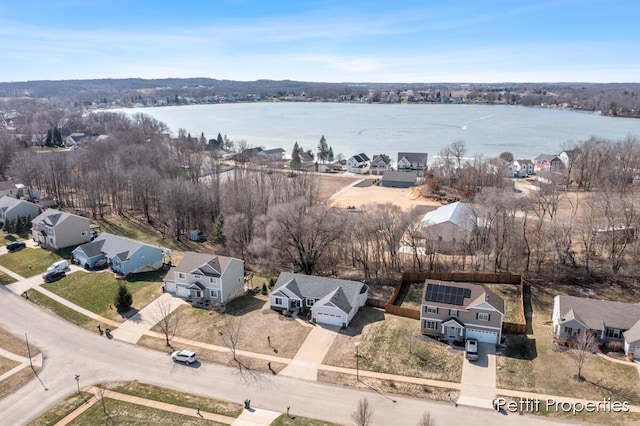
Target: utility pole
x: 28, y: 349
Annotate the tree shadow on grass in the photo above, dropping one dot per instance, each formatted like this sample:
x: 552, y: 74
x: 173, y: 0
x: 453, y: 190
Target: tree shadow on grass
x: 520, y: 346
x: 616, y: 393
x: 368, y: 315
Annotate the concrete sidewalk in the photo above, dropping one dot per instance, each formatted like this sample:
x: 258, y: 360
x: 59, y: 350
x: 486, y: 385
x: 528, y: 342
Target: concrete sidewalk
x: 135, y: 327
x: 312, y: 352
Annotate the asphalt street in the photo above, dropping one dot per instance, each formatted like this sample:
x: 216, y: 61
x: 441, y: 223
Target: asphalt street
x: 70, y: 350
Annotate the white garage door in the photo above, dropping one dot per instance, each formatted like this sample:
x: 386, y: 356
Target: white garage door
x: 636, y: 353
x: 182, y: 291
x: 326, y: 318
x: 482, y: 335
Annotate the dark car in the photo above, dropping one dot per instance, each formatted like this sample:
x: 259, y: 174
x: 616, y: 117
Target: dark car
x: 15, y: 246
x: 52, y: 276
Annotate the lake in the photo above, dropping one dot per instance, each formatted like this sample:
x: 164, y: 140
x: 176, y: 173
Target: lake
x: 386, y: 129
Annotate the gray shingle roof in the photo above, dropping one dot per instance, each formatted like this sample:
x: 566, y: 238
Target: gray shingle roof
x: 391, y: 176
x: 322, y: 289
x: 51, y: 217
x: 112, y: 245
x: 336, y: 298
x: 419, y: 158
x: 210, y: 265
x: 597, y: 314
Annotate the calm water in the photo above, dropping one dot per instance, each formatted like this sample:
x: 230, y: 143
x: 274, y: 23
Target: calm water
x: 374, y: 129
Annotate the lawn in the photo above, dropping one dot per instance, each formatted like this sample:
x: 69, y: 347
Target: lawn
x: 29, y: 262
x: 61, y: 310
x: 7, y: 364
x: 61, y: 410
x: 95, y: 291
x: 285, y: 420
x: 169, y: 396
x: 384, y: 342
x: 258, y: 320
x: 512, y: 301
x: 124, y: 413
x: 6, y: 279
x: 530, y: 364
x: 413, y: 299
x: 16, y: 344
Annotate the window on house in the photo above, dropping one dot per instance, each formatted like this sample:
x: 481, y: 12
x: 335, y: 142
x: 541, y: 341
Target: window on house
x: 181, y: 276
x: 278, y: 301
x: 569, y: 331
x: 613, y: 333
x: 84, y: 233
x: 310, y: 302
x: 432, y: 309
x: 483, y: 316
x: 431, y: 325
x: 211, y: 280
x: 197, y: 277
x: 213, y: 293
x: 453, y: 313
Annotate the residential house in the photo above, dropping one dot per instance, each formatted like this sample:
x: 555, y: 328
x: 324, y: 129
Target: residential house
x: 547, y: 162
x: 399, y: 179
x: 12, y: 209
x: 206, y: 277
x: 449, y: 223
x: 327, y: 168
x: 455, y: 311
x: 8, y: 188
x: 609, y: 321
x: 275, y: 154
x: 409, y: 161
x: 73, y: 139
x: 380, y: 164
x: 125, y: 256
x: 520, y: 168
x: 306, y: 159
x: 359, y: 164
x: 568, y: 156
x: 331, y: 301
x: 54, y: 229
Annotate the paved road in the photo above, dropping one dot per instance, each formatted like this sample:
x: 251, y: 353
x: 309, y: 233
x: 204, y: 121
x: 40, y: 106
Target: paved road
x: 70, y: 350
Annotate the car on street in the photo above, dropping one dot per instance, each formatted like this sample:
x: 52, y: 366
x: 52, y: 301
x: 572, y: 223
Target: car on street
x: 52, y: 276
x: 15, y: 246
x: 185, y: 356
x: 471, y: 349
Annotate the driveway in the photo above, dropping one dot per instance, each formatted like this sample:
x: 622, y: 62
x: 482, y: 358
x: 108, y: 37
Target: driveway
x: 478, y: 384
x: 312, y: 352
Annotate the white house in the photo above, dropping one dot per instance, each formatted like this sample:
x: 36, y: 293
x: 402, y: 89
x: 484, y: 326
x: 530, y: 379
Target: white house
x: 449, y: 223
x: 413, y: 161
x: 206, y: 277
x: 520, y: 168
x: 380, y: 164
x: 359, y: 164
x: 330, y: 301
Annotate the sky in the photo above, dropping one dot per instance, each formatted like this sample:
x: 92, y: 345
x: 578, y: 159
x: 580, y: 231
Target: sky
x: 412, y: 41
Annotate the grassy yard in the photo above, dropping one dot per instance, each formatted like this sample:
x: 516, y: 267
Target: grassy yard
x: 61, y: 310
x: 512, y: 301
x: 168, y: 396
x: 284, y: 420
x: 413, y: 299
x: 531, y: 364
x: 29, y: 262
x: 384, y: 347
x: 61, y: 410
x: 6, y: 279
x: 258, y: 320
x: 16, y: 344
x: 124, y: 413
x: 95, y: 291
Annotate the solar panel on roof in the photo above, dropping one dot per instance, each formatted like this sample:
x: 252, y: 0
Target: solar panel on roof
x: 446, y: 294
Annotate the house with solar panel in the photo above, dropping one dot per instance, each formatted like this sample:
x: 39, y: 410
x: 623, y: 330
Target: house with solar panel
x: 359, y: 164
x: 330, y: 301
x: 206, y: 277
x: 455, y: 311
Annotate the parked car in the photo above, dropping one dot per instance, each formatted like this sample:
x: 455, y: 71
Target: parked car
x: 185, y: 356
x: 60, y: 266
x: 15, y: 246
x: 52, y: 276
x: 471, y: 349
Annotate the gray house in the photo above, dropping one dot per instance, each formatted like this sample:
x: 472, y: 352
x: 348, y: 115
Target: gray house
x: 56, y: 229
x: 413, y: 161
x: 331, y: 301
x: 609, y: 321
x: 124, y: 255
x: 206, y: 277
x: 399, y: 179
x: 275, y: 154
x: 456, y: 311
x: 380, y: 164
x: 13, y: 209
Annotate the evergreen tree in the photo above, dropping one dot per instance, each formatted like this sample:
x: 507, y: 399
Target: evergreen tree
x: 295, y: 157
x: 57, y: 136
x: 203, y: 140
x: 330, y: 155
x: 123, y: 299
x: 218, y: 236
x: 220, y: 141
x: 49, y: 140
x: 323, y: 149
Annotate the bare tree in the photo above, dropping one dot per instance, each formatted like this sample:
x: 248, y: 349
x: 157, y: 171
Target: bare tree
x: 364, y: 413
x: 458, y: 149
x: 426, y: 420
x: 167, y: 317
x: 101, y: 400
x: 584, y: 345
x: 232, y: 335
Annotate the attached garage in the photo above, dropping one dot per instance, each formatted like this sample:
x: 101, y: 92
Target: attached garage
x: 482, y: 335
x: 329, y: 318
x: 182, y: 291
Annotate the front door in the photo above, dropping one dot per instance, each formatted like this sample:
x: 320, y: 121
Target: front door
x: 452, y: 332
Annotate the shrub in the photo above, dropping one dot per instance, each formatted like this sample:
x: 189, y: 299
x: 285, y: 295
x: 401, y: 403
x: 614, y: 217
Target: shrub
x: 123, y: 299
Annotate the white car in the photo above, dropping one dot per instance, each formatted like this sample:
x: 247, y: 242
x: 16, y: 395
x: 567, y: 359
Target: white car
x: 471, y: 349
x: 59, y: 266
x: 184, y: 356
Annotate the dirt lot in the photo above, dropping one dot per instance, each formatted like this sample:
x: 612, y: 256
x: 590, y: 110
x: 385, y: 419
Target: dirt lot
x: 330, y: 184
x: 406, y: 199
